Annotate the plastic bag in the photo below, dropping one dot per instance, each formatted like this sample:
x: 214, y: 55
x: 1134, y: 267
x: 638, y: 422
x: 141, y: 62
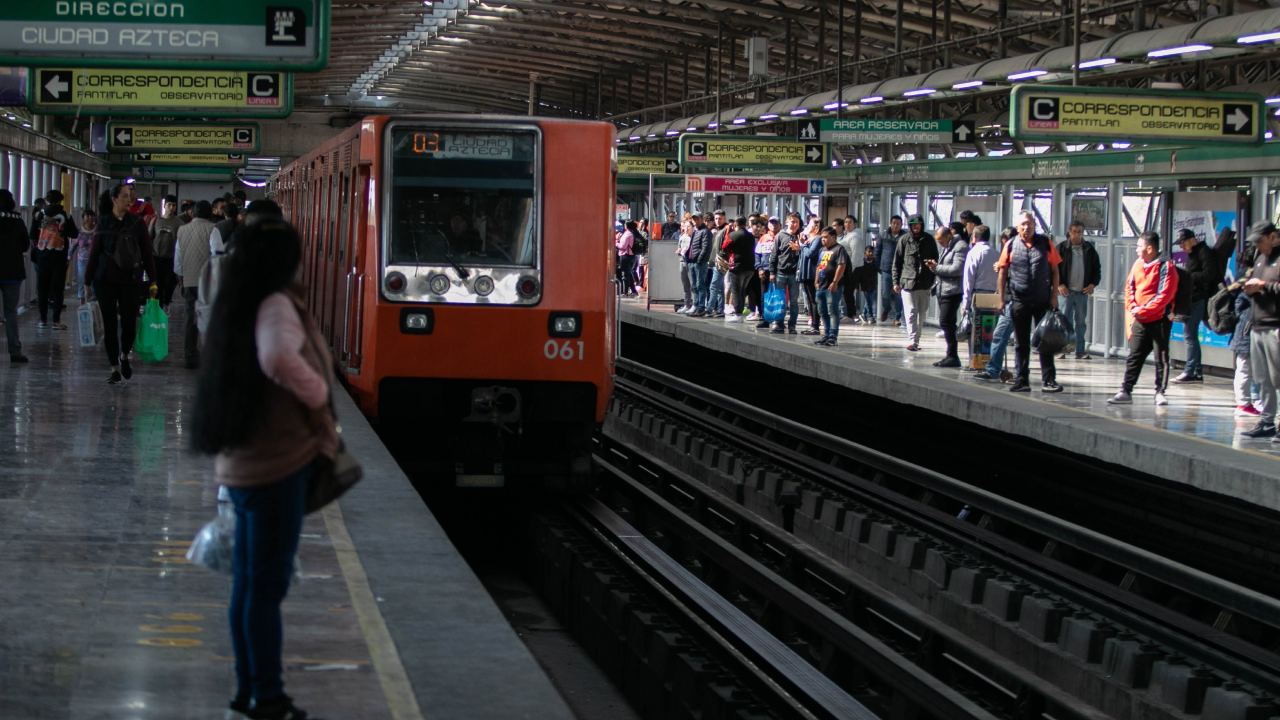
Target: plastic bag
x: 774, y: 300
x: 1051, y: 334
x: 212, y: 546
x: 89, y: 323
x: 151, y: 342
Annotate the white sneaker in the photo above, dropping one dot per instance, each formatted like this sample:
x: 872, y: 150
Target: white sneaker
x: 682, y: 310
x: 732, y: 318
x: 223, y: 494
x: 940, y: 334
x: 1161, y: 400
x: 1120, y: 398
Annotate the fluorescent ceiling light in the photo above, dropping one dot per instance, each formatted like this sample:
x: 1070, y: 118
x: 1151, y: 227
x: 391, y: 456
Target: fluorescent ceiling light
x: 652, y: 135
x: 1028, y: 74
x: 739, y: 121
x: 1273, y: 100
x: 1262, y: 37
x: 800, y: 111
x: 633, y: 138
x: 967, y: 84
x: 1121, y: 145
x: 918, y: 92
x: 712, y: 125
x: 1180, y: 50
x: 769, y: 116
x: 871, y: 99
x: 691, y: 128
x: 1097, y: 63
x: 673, y: 132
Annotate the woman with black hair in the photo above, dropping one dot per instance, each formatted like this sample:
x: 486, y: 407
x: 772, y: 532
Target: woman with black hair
x: 263, y: 407
x: 119, y: 255
x: 13, y: 270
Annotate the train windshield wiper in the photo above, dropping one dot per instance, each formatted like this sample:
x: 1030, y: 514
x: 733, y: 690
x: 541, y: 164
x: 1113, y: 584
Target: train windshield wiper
x: 462, y: 272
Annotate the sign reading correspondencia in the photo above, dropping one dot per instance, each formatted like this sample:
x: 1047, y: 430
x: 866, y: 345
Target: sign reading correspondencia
x: 176, y: 138
x: 226, y: 34
x: 178, y: 93
x: 744, y: 151
x: 647, y: 164
x: 1086, y: 113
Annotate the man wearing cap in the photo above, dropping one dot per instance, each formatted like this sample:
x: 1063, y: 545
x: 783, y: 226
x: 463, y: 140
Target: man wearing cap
x: 1028, y: 268
x: 1202, y: 266
x: 1080, y: 273
x: 912, y: 277
x: 1263, y: 289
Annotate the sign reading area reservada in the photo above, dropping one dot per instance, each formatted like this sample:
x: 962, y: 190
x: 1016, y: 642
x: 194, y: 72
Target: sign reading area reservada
x: 1066, y: 114
x: 128, y: 137
x: 196, y: 34
x: 173, y: 93
x: 750, y: 151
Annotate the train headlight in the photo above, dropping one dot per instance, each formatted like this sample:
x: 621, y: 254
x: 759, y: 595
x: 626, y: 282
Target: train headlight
x: 439, y: 284
x: 396, y: 282
x: 417, y: 321
x: 565, y: 325
x: 527, y: 287
x: 483, y: 285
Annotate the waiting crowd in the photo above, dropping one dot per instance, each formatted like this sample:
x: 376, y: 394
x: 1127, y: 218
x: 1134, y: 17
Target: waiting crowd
x: 835, y: 273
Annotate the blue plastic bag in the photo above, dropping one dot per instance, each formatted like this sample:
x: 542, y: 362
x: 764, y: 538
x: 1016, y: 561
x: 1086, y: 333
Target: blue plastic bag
x: 774, y: 302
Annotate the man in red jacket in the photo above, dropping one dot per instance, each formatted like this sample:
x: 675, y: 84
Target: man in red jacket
x: 1148, y: 294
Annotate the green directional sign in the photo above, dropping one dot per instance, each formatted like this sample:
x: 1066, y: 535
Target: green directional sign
x: 152, y: 172
x: 171, y: 93
x: 130, y: 137
x: 883, y: 130
x: 189, y: 159
x: 1077, y: 114
x: 647, y: 164
x: 750, y: 152
x: 197, y: 34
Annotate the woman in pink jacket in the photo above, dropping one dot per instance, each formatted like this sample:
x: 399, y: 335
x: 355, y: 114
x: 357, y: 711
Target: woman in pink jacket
x: 268, y: 365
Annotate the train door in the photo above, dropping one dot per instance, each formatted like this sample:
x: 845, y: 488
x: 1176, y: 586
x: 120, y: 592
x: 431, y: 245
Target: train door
x: 1208, y: 208
x: 355, y: 264
x: 342, y: 243
x: 326, y: 228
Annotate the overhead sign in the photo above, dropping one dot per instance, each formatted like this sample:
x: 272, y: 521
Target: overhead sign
x: 883, y: 130
x: 647, y: 165
x: 193, y: 137
x: 175, y: 93
x: 759, y: 185
x: 175, y: 172
x: 809, y: 130
x: 198, y: 34
x: 750, y: 152
x: 1065, y: 114
x: 190, y: 159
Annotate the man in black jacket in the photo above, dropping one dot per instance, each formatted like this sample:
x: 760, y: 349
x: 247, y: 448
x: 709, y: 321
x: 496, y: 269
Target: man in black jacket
x: 1202, y: 265
x: 912, y: 278
x: 784, y: 261
x: 742, y: 250
x: 13, y: 270
x: 1078, y: 275
x: 52, y: 230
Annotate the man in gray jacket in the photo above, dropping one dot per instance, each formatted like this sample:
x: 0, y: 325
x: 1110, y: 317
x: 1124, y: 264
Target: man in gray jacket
x: 912, y: 278
x: 784, y: 261
x: 949, y: 267
x: 189, y: 258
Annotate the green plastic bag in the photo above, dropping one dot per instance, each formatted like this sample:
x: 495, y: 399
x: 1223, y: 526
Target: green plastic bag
x: 151, y: 342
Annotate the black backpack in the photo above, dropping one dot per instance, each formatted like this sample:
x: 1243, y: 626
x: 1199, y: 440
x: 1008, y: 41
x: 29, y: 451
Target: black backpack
x: 1182, y: 300
x: 639, y: 243
x: 125, y: 252
x: 1222, y: 316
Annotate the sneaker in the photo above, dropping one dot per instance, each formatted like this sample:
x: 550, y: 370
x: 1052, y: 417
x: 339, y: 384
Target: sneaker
x: 733, y: 318
x: 58, y: 325
x: 1120, y: 398
x: 125, y: 368
x: 913, y: 347
x: 42, y: 325
x: 115, y: 378
x: 777, y: 330
x: 949, y: 362
x: 1185, y: 378
x: 1021, y: 386
x: 18, y: 359
x: 762, y: 325
x: 754, y: 316
x: 682, y: 310
x: 1246, y: 410
x: 1261, y: 430
x: 984, y: 376
x: 1063, y: 356
x: 1161, y: 400
x: 831, y: 342
x: 1085, y: 356
x: 697, y: 313
x: 1050, y: 386
x: 791, y: 330
x: 810, y: 331
x: 821, y: 341
x: 940, y: 334
x: 897, y: 323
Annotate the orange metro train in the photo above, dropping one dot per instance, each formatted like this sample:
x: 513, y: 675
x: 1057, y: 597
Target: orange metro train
x: 461, y: 268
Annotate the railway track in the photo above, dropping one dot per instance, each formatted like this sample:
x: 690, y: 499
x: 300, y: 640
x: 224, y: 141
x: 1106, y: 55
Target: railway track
x: 1014, y: 610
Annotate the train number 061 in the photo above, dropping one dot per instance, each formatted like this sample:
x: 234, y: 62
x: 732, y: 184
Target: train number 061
x: 567, y: 350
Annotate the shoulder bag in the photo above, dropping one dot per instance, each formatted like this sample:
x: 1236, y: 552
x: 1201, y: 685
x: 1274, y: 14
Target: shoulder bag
x: 331, y: 478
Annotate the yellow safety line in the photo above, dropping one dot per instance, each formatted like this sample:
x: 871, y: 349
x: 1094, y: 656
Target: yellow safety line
x: 382, y: 649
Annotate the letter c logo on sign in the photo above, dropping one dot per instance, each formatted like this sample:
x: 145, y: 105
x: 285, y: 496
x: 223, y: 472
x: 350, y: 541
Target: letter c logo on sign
x: 1044, y: 108
x: 263, y: 85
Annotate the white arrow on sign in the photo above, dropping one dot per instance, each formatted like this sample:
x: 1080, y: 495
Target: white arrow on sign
x: 123, y: 136
x: 962, y: 133
x: 814, y: 154
x: 56, y: 86
x: 672, y: 166
x: 1238, y: 119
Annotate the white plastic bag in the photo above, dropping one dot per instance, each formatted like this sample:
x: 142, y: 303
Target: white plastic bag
x: 213, y: 544
x: 89, y: 323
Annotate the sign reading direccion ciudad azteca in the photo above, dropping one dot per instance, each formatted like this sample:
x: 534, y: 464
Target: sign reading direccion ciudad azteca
x: 196, y: 34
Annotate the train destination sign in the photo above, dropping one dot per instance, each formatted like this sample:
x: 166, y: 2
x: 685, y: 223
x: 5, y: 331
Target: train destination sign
x: 1057, y: 114
x: 647, y: 165
x: 750, y: 152
x: 190, y: 159
x: 196, y: 34
x: 761, y: 185
x: 131, y: 137
x: 888, y: 130
x: 174, y: 93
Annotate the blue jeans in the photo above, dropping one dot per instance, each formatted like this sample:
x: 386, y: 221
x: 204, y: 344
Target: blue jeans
x: 829, y: 308
x: 1076, y: 313
x: 1191, y: 334
x: 715, y: 292
x: 791, y: 287
x: 868, y: 301
x: 698, y: 281
x: 889, y: 300
x: 1000, y: 340
x: 268, y: 522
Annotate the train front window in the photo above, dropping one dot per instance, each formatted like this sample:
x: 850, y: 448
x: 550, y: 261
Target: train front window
x: 463, y: 197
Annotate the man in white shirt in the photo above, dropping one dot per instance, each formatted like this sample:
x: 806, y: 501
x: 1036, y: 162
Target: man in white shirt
x: 855, y: 244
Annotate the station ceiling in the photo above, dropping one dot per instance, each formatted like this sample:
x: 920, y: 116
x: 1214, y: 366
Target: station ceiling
x: 593, y: 58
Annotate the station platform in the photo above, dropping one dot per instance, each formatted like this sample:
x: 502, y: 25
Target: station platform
x: 1194, y: 440
x: 101, y: 615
